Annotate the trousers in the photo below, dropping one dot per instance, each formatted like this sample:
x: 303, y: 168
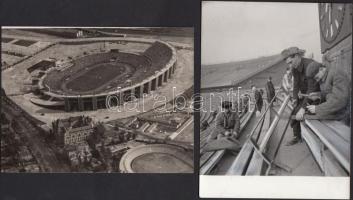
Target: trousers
x: 295, y: 124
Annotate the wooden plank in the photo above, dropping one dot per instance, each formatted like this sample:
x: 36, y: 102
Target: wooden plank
x: 207, y: 115
x: 239, y: 165
x: 244, y: 117
x: 339, y: 147
x: 241, y: 161
x: 256, y: 161
x: 208, y: 166
x: 314, y: 143
x: 205, y: 134
x: 340, y: 128
x: 255, y: 165
x: 202, y: 116
x: 331, y: 166
x: 206, y: 156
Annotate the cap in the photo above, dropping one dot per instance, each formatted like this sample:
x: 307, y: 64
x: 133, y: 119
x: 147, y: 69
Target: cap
x: 291, y: 51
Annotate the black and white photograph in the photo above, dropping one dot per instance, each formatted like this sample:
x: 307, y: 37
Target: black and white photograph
x: 275, y: 114
x: 175, y: 99
x: 97, y: 99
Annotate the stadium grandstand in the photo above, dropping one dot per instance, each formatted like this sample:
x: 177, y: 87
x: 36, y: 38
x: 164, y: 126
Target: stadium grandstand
x: 86, y: 83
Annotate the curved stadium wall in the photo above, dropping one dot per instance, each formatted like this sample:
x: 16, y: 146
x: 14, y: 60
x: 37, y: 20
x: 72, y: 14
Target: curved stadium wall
x: 151, y: 69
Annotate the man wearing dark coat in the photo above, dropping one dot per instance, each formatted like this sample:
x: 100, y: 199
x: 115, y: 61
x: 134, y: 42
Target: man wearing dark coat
x: 245, y: 99
x: 335, y: 94
x: 301, y: 85
x: 227, y: 123
x: 270, y: 90
x: 258, y: 98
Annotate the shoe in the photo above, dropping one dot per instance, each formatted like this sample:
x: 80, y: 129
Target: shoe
x: 294, y: 141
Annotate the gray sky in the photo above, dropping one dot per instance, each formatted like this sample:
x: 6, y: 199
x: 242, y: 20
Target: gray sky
x: 233, y: 31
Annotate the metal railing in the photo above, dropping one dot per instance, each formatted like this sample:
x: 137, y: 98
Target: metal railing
x: 259, y: 149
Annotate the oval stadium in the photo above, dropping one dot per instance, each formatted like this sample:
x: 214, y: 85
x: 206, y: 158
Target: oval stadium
x: 84, y: 83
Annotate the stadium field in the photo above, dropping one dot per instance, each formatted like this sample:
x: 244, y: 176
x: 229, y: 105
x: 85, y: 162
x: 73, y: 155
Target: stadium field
x: 98, y: 76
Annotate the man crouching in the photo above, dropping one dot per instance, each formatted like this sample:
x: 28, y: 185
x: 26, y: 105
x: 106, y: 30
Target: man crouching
x: 227, y: 123
x: 335, y: 94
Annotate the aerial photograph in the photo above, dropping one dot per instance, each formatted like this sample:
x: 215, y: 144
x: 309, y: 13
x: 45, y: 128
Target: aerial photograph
x: 88, y: 99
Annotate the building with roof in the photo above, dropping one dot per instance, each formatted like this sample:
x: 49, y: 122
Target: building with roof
x: 73, y: 130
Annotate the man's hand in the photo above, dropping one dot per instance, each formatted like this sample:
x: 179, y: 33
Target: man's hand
x: 311, y: 109
x: 227, y: 133
x: 236, y: 135
x: 314, y: 96
x: 300, y: 114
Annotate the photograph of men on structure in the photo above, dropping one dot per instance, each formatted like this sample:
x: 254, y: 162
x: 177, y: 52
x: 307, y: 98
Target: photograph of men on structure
x: 97, y: 99
x: 275, y: 89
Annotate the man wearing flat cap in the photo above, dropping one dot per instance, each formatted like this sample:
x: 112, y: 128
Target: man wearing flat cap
x: 227, y: 123
x: 334, y: 85
x: 301, y: 85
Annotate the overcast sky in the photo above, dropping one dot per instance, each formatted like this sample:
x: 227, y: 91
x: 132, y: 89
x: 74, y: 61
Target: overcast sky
x: 233, y: 31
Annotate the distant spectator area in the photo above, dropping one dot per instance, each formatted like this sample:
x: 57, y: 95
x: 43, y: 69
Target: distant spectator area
x: 59, y: 32
x: 25, y: 43
x: 159, y: 54
x: 6, y: 40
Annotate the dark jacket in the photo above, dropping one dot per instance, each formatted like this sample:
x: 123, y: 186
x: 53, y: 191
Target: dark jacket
x: 270, y: 90
x: 303, y: 83
x: 335, y: 92
x: 258, y: 100
x: 226, y: 122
